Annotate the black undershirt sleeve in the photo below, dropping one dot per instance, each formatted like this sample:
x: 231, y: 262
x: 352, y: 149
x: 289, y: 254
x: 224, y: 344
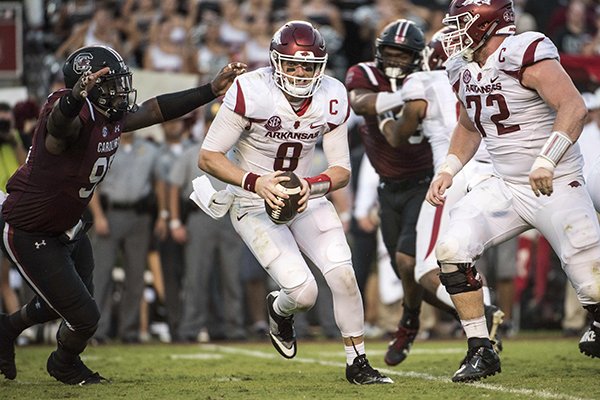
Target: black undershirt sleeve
x: 174, y: 105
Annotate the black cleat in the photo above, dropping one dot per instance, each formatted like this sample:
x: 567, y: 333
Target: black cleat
x: 494, y: 318
x: 480, y: 362
x: 72, y: 374
x: 361, y: 373
x: 400, y: 346
x: 281, y: 330
x: 589, y: 344
x: 7, y: 349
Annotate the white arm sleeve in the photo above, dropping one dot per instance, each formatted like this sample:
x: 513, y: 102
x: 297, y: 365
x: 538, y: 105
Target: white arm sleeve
x: 224, y: 131
x: 335, y: 147
x: 366, y: 189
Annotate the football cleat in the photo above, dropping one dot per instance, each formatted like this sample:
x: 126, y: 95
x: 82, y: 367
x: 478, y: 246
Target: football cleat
x: 281, y: 330
x: 72, y: 374
x: 361, y: 373
x: 399, y: 347
x: 589, y: 344
x: 480, y: 362
x: 494, y: 318
x: 7, y: 349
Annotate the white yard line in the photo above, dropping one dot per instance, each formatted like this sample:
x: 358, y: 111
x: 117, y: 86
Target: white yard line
x: 542, y: 394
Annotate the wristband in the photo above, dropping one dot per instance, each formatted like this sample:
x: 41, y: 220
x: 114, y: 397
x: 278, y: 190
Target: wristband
x: 542, y: 162
x: 163, y: 214
x: 319, y: 185
x: 175, y: 223
x: 383, y: 122
x: 451, y: 165
x: 345, y: 216
x: 249, y: 181
x: 387, y: 100
x: 555, y: 147
x: 69, y: 106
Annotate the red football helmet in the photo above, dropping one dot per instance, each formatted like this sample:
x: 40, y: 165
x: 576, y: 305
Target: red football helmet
x: 476, y: 21
x: 434, y: 56
x: 298, y: 42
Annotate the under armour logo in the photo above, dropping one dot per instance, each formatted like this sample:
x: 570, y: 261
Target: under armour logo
x: 40, y: 244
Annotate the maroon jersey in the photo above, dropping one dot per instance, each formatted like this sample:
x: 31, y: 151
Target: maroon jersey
x: 49, y: 193
x: 409, y: 160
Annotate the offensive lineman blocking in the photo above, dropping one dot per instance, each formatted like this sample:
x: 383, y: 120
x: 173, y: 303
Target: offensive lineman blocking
x: 530, y: 124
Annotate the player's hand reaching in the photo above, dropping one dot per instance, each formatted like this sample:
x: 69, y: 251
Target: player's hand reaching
x: 436, y: 194
x: 86, y: 82
x: 225, y: 77
x: 266, y: 187
x: 540, y: 180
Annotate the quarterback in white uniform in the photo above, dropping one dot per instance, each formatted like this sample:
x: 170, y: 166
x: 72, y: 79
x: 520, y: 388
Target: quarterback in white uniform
x: 515, y: 94
x: 272, y: 119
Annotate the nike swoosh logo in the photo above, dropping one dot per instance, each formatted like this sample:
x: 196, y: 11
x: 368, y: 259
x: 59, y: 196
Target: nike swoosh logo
x: 241, y: 216
x: 219, y: 204
x: 313, y: 126
x: 494, y: 79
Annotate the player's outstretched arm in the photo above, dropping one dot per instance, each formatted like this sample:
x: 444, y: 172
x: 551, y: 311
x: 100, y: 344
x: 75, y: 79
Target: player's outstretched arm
x: 174, y: 105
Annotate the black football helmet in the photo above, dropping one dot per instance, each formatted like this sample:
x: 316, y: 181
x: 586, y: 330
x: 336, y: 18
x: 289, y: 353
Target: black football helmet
x: 298, y: 42
x: 113, y: 93
x: 404, y: 35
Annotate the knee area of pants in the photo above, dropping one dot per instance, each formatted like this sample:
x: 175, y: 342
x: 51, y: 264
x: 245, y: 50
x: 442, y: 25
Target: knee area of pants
x: 307, y: 296
x: 589, y: 292
x: 447, y: 249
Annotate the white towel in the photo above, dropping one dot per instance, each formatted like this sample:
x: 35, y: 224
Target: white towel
x: 215, y: 204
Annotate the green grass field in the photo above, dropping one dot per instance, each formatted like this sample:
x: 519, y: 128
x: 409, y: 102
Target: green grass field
x: 536, y: 367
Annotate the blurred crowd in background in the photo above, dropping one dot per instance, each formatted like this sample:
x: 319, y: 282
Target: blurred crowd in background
x: 165, y: 281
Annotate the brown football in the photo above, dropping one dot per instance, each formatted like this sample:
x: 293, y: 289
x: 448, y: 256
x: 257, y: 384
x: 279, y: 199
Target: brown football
x: 281, y: 215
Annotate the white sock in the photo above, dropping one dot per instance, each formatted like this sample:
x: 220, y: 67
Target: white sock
x: 475, y: 328
x: 351, y: 354
x: 442, y: 294
x: 487, y: 297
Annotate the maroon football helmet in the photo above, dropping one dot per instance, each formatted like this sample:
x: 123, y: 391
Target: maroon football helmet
x: 434, y: 56
x: 476, y: 21
x: 298, y: 42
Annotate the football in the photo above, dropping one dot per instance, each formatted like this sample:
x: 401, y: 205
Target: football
x: 281, y: 215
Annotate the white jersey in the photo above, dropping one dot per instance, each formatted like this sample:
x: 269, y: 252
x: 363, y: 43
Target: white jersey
x: 276, y: 137
x: 514, y: 121
x: 440, y: 119
x: 441, y: 114
x: 437, y: 126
